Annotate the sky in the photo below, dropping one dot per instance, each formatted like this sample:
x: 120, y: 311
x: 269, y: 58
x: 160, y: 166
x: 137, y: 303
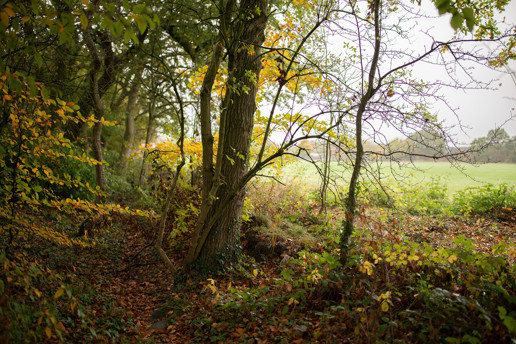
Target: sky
x: 478, y: 110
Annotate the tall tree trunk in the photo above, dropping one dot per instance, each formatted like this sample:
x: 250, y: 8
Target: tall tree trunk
x: 351, y: 201
x: 73, y: 130
x: 94, y: 92
x: 152, y: 109
x: 130, y: 126
x: 112, y: 64
x: 218, y: 229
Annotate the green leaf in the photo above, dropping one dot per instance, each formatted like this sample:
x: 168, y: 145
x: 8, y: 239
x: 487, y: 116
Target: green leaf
x: 38, y: 59
x: 456, y: 21
x: 442, y: 6
x: 469, y: 15
x: 33, y: 90
x: 155, y: 19
x: 139, y: 8
x: 141, y: 21
x: 117, y: 29
x: 106, y: 21
x: 127, y: 35
x: 84, y: 21
x: 126, y: 5
x: 508, y: 320
x: 470, y: 24
x: 439, y: 3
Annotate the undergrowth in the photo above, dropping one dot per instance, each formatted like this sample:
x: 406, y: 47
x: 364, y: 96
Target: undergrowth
x: 393, y: 292
x: 431, y: 198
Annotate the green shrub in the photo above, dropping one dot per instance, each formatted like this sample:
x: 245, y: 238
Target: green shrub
x: 428, y: 198
x: 484, y: 199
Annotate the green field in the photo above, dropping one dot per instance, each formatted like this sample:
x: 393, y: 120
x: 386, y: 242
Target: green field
x: 456, y: 178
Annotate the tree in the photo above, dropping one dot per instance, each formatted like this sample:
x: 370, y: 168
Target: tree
x: 217, y: 230
x: 374, y: 87
x: 497, y: 146
x: 130, y: 126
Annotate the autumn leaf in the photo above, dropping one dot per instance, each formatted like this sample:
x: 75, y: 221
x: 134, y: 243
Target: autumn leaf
x: 385, y: 306
x: 59, y: 293
x: 48, y: 332
x: 9, y: 11
x: 4, y: 18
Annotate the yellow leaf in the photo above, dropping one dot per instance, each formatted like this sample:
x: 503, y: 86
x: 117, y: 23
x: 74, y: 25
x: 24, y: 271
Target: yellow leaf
x: 37, y: 292
x: 48, y: 332
x: 4, y: 18
x: 58, y: 293
x: 385, y: 306
x: 25, y: 19
x: 292, y: 301
x: 9, y: 11
x: 255, y: 272
x: 452, y: 258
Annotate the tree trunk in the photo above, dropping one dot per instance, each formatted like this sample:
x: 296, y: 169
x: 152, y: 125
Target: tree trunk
x: 218, y: 231
x: 95, y: 95
x: 130, y: 129
x: 73, y: 130
x: 351, y: 201
x: 97, y: 154
x: 152, y: 108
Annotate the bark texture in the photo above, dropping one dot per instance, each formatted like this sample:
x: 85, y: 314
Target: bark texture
x: 95, y: 96
x: 218, y: 232
x: 130, y: 126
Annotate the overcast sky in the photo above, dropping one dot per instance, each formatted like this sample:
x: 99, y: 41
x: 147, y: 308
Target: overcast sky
x: 479, y: 110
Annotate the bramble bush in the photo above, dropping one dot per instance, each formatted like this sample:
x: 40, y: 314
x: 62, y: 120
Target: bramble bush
x: 484, y: 199
x: 431, y: 198
x: 428, y: 198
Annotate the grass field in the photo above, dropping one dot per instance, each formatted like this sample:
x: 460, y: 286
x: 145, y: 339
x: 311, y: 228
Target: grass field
x: 455, y: 178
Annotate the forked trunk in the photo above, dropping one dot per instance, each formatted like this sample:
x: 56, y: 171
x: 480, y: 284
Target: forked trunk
x: 218, y: 229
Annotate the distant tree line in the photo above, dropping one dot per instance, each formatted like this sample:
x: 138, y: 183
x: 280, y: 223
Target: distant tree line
x: 496, y: 147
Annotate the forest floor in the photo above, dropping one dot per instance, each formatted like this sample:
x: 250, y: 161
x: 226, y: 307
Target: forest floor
x: 134, y: 299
